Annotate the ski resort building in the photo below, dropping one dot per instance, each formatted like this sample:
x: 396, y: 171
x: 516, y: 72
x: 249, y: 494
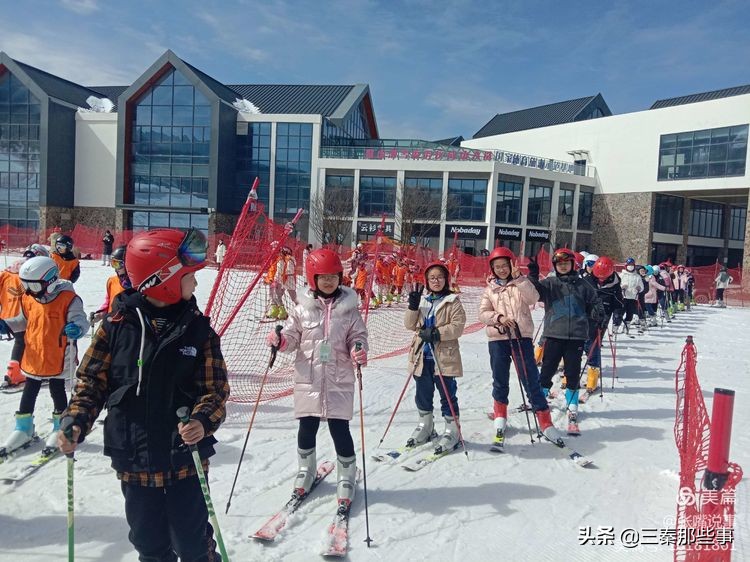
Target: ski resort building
x: 179, y: 148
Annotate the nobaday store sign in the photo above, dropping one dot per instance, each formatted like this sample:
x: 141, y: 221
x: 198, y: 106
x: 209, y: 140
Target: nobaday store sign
x: 466, y: 231
x: 507, y: 233
x: 537, y: 235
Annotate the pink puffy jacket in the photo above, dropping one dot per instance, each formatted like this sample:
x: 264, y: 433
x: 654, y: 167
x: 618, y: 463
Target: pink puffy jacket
x: 324, y: 390
x: 512, y: 301
x: 652, y: 296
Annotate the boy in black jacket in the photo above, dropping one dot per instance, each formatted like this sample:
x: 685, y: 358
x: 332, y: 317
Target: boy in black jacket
x: 153, y: 354
x: 569, y: 303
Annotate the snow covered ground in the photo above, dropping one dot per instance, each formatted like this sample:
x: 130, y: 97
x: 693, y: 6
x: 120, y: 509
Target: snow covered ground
x: 527, y: 504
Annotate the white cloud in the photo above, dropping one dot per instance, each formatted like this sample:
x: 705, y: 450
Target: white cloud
x: 83, y: 7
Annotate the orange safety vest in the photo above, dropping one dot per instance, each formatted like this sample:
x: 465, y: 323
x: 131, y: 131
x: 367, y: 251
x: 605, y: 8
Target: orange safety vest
x: 361, y: 279
x: 114, y: 288
x: 65, y: 267
x: 270, y: 273
x: 11, y: 292
x: 400, y: 275
x: 45, y: 341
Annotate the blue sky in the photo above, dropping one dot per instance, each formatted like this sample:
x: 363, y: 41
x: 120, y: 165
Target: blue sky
x: 435, y: 69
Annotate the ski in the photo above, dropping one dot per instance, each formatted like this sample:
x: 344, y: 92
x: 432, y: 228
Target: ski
x: 337, y: 539
x: 7, y: 456
x: 422, y: 462
x: 570, y: 453
x: 6, y: 388
x: 270, y: 530
x: 43, y: 459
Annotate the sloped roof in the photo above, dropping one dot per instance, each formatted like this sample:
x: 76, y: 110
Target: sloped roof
x: 703, y: 96
x: 294, y: 98
x: 54, y: 86
x: 109, y: 92
x: 452, y: 141
x: 541, y: 116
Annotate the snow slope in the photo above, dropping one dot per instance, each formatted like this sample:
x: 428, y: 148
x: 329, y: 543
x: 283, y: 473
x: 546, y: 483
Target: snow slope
x: 527, y: 504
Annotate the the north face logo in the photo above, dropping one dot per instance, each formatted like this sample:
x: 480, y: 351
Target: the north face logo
x: 188, y: 351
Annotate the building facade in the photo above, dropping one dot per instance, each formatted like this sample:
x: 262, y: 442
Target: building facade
x: 181, y: 149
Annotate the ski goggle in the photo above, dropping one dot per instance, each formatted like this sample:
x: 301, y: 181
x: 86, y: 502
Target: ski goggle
x: 562, y: 256
x: 34, y: 287
x: 117, y: 264
x: 193, y: 249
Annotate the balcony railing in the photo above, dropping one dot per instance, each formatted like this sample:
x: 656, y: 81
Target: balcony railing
x: 419, y: 150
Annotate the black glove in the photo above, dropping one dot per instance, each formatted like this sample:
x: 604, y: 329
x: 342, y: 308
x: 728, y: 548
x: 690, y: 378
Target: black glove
x: 597, y: 313
x: 617, y: 317
x: 533, y: 268
x: 415, y: 296
x: 429, y: 335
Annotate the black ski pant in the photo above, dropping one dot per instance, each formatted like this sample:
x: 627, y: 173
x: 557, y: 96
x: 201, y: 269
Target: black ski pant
x: 169, y: 522
x: 19, y: 344
x: 631, y: 308
x: 339, y: 429
x: 31, y: 391
x: 570, y: 352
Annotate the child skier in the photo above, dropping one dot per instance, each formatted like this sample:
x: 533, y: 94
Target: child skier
x: 51, y: 314
x: 722, y: 281
x: 504, y: 309
x: 324, y: 329
x: 632, y: 285
x: 569, y: 303
x: 179, y: 364
x: 67, y: 262
x: 116, y: 284
x: 438, y: 320
x: 606, y: 283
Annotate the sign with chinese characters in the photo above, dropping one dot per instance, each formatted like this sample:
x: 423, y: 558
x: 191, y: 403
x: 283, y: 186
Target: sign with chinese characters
x: 507, y: 233
x: 472, y: 155
x: 466, y: 231
x: 537, y: 235
x: 372, y: 228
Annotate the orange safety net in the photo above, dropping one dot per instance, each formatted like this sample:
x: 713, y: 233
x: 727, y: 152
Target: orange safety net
x: 704, y: 528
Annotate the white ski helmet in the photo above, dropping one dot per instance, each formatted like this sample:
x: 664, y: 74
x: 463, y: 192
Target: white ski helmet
x: 38, y: 273
x: 657, y: 269
x: 35, y: 250
x: 590, y: 260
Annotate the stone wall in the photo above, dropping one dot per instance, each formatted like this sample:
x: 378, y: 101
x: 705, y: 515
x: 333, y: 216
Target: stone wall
x: 622, y: 224
x: 100, y: 218
x: 221, y: 223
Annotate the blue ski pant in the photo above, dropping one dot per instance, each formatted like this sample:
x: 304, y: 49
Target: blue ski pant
x: 426, y: 384
x: 501, y: 355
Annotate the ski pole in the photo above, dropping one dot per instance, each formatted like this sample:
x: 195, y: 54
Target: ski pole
x: 183, y: 414
x: 368, y: 540
x: 520, y: 384
x: 401, y: 396
x: 447, y: 398
x: 67, y: 428
x: 271, y: 360
x: 613, y: 348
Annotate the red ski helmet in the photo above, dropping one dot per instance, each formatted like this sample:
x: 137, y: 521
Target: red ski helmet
x: 501, y: 252
x: 442, y: 267
x: 157, y: 260
x: 603, y: 268
x: 322, y: 262
x: 563, y: 254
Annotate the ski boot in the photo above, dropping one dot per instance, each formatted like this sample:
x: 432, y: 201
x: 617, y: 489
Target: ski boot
x: 547, y: 429
x: 652, y: 322
x: 388, y: 300
x: 14, y: 376
x: 592, y: 382
x: 500, y: 411
x: 50, y: 445
x: 346, y: 472
x: 425, y: 430
x: 538, y: 355
x: 21, y: 436
x: 306, y: 472
x: 573, y: 428
x: 449, y: 439
x: 281, y: 314
x: 273, y: 312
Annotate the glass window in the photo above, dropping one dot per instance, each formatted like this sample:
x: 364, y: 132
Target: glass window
x: 339, y: 194
x: 292, y: 183
x: 19, y: 154
x: 540, y: 205
x: 738, y: 217
x: 565, y: 208
x: 355, y: 127
x: 700, y: 154
x: 706, y: 219
x: 423, y: 198
x: 467, y: 199
x: 144, y: 220
x: 668, y: 214
x: 170, y: 143
x: 377, y: 196
x: 663, y: 252
x: 585, y: 209
x: 698, y: 256
x: 509, y: 200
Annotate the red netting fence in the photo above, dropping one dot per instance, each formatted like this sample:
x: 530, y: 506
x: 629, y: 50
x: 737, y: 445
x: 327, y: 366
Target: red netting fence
x: 704, y: 529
